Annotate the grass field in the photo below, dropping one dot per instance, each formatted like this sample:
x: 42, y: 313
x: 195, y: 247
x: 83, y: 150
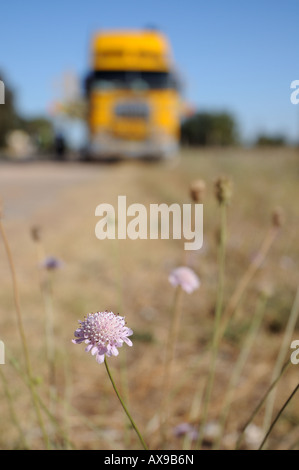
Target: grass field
x: 131, y: 277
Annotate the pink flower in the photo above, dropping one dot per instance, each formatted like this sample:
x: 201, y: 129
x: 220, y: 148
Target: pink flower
x: 103, y: 332
x: 184, y: 277
x: 185, y: 428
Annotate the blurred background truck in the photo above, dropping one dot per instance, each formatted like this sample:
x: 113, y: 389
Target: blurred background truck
x: 133, y: 96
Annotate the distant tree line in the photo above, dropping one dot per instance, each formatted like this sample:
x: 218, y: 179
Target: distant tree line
x: 220, y: 129
x: 209, y: 129
x: 265, y: 140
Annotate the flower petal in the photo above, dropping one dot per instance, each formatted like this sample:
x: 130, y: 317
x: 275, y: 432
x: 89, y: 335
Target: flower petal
x: 100, y: 358
x: 128, y: 341
x: 114, y: 351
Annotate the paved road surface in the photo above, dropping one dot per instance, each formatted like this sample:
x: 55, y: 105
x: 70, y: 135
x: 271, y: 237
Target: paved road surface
x: 27, y: 187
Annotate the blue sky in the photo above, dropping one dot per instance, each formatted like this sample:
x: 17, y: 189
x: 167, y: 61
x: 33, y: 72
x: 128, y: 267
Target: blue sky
x: 234, y: 55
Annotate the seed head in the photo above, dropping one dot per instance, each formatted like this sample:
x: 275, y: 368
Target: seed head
x: 223, y: 190
x: 186, y: 428
x: 36, y: 233
x: 197, y: 190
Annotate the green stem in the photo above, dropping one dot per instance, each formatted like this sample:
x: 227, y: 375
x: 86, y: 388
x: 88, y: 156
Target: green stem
x: 260, y: 404
x: 124, y: 407
x: 217, y: 335
x: 278, y: 416
x: 47, y: 292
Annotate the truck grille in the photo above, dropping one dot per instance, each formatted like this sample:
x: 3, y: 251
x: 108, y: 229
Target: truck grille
x: 132, y: 110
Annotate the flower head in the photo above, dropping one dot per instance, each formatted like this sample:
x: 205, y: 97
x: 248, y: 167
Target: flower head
x: 103, y: 332
x: 223, y: 190
x: 51, y: 263
x: 186, y: 428
x: 184, y: 277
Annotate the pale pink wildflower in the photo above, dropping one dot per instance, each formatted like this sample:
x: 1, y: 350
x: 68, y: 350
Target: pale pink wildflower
x: 103, y: 332
x: 186, y: 428
x: 184, y: 277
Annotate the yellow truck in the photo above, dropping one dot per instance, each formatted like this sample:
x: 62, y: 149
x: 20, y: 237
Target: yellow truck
x: 133, y: 96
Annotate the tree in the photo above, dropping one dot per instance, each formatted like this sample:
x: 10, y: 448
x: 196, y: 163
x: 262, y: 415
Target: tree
x: 264, y: 140
x: 206, y: 129
x: 40, y: 130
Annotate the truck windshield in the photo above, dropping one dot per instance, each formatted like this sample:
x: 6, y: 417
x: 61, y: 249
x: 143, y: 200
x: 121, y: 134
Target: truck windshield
x: 141, y: 80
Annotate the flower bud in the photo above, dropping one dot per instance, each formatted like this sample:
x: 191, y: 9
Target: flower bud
x: 197, y: 190
x: 35, y: 233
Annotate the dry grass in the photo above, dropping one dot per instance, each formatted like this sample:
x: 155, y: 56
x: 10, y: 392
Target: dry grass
x: 130, y: 277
